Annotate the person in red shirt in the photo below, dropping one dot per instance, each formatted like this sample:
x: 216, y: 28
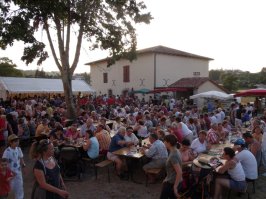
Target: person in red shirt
x: 6, y: 176
x: 3, y: 127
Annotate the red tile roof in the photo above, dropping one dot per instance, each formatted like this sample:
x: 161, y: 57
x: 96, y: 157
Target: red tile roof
x: 194, y: 83
x: 190, y: 82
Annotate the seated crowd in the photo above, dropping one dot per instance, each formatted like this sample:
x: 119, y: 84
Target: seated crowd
x: 176, y: 134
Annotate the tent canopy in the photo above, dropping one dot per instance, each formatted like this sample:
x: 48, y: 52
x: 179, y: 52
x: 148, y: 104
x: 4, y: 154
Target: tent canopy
x: 212, y: 94
x: 252, y: 92
x: 16, y: 85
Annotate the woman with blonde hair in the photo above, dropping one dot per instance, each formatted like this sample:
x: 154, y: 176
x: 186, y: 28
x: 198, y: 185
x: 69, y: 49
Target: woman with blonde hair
x: 46, y: 172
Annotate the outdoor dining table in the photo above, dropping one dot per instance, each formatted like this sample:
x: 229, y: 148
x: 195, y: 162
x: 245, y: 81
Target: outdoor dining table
x: 215, y: 151
x: 131, y: 154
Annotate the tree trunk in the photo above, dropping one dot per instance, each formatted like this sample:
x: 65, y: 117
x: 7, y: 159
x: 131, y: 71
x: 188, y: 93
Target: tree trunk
x: 67, y: 84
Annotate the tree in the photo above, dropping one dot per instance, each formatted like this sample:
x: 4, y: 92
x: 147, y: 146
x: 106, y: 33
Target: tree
x: 8, y: 69
x: 215, y: 75
x: 87, y: 78
x: 40, y: 73
x: 230, y: 81
x: 105, y: 24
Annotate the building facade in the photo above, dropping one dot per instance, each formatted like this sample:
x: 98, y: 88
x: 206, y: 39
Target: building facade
x: 155, y: 67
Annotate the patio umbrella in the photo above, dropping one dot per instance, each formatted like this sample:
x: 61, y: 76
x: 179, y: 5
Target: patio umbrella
x: 212, y: 94
x: 252, y: 92
x: 168, y: 89
x: 142, y: 91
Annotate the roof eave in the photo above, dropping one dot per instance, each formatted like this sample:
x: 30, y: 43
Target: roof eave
x: 154, y: 50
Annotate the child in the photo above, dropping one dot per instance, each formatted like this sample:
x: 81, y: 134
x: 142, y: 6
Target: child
x: 6, y: 176
x: 14, y: 156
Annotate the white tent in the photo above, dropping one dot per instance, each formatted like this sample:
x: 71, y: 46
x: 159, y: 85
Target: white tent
x: 212, y: 94
x: 16, y: 85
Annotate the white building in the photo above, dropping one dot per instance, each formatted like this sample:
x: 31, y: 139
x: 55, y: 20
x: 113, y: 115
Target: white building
x: 156, y: 67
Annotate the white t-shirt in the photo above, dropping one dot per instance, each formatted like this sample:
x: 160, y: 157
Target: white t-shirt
x: 249, y: 164
x: 219, y: 118
x: 197, y: 146
x: 213, y: 119
x: 132, y: 138
x: 185, y: 130
x: 13, y: 156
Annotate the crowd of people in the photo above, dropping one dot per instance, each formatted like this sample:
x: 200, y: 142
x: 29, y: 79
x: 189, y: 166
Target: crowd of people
x: 177, y: 132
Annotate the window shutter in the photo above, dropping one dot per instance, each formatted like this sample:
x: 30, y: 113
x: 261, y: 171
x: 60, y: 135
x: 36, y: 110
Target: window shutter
x: 105, y: 77
x: 126, y: 74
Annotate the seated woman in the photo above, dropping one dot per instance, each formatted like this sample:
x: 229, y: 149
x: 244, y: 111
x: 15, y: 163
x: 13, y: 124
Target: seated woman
x: 226, y: 127
x: 94, y: 116
x: 237, y: 176
x: 72, y: 133
x: 91, y: 145
x: 117, y: 124
x: 221, y: 132
x: 200, y: 145
x: 186, y: 152
x: 257, y: 133
x: 161, y: 134
x: 192, y: 127
x: 57, y: 136
x: 142, y: 131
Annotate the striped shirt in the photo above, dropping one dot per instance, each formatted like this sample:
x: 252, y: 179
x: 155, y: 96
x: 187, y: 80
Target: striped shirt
x: 104, y: 139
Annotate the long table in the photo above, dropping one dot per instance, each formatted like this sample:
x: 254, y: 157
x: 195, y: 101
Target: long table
x: 131, y: 154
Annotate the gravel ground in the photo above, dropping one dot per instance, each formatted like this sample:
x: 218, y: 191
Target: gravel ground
x: 90, y: 188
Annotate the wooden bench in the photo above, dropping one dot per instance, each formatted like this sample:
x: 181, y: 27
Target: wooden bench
x: 153, y: 172
x: 103, y: 164
x: 92, y: 162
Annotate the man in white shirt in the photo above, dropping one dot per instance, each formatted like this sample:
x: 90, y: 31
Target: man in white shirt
x: 218, y: 116
x: 247, y: 159
x: 221, y: 113
x: 130, y: 136
x: 213, y: 118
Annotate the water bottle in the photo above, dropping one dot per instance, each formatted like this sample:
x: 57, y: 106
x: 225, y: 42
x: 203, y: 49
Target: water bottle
x: 137, y: 148
x: 230, y: 136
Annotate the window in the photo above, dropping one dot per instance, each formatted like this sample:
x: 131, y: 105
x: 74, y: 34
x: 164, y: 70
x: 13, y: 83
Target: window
x: 196, y: 74
x: 105, y: 77
x: 126, y: 73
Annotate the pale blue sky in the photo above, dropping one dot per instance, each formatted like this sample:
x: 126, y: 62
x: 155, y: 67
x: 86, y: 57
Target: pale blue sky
x: 232, y: 32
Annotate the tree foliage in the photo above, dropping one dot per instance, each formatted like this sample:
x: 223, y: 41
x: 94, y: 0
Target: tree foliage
x: 8, y: 69
x: 236, y: 79
x: 230, y: 81
x: 40, y: 73
x: 104, y: 24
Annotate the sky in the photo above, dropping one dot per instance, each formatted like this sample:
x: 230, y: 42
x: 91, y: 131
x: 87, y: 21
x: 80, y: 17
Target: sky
x: 232, y: 32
